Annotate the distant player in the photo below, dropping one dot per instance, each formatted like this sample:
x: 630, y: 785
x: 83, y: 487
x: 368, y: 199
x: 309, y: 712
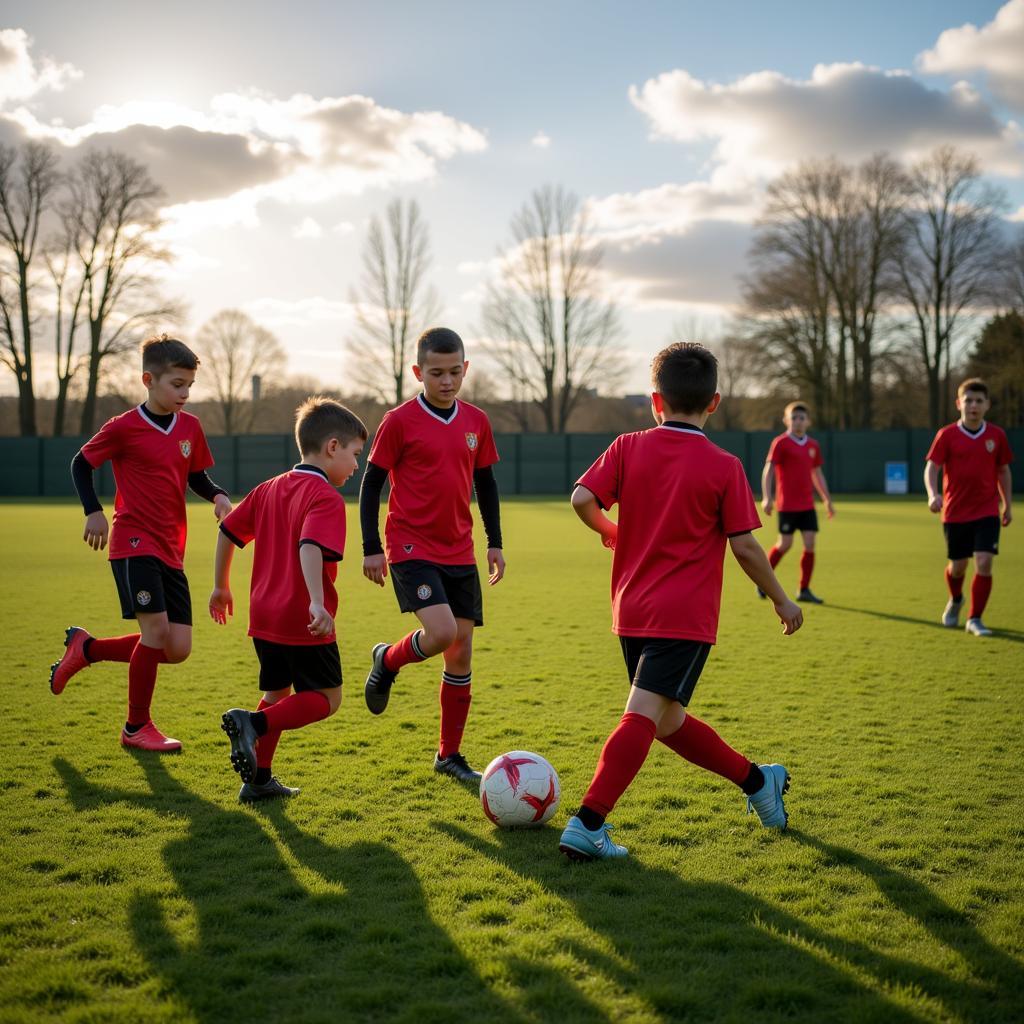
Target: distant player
x: 157, y: 451
x: 297, y: 521
x: 435, y: 450
x: 975, y: 458
x: 792, y: 473
x: 680, y: 498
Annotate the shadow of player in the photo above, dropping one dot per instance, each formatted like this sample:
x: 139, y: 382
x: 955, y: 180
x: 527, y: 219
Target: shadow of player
x: 713, y: 951
x: 1011, y: 635
x: 238, y: 936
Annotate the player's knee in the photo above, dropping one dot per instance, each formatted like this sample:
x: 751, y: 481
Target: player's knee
x: 442, y: 636
x: 785, y: 542
x: 177, y: 650
x: 983, y: 562
x: 333, y: 699
x: 958, y: 567
x: 157, y: 634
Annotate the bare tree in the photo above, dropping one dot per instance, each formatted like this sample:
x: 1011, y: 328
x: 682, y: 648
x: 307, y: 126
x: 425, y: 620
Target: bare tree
x: 1014, y: 280
x: 550, y: 332
x: 69, y: 293
x: 393, y: 304
x: 235, y: 350
x: 28, y: 179
x: 948, y: 265
x: 112, y: 213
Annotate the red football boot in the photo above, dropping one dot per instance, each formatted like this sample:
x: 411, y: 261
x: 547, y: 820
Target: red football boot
x: 149, y: 737
x: 73, y: 660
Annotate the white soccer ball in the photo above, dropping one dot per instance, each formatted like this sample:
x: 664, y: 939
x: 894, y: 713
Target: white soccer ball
x: 519, y: 790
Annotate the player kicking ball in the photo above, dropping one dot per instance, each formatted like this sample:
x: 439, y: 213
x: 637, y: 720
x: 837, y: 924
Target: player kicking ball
x: 792, y: 472
x: 681, y: 500
x: 974, y: 457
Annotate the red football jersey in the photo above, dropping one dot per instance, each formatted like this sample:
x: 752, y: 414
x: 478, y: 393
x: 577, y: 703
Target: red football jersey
x: 279, y: 514
x: 795, y: 460
x: 151, y: 467
x: 430, y: 462
x: 970, y: 470
x: 679, y: 497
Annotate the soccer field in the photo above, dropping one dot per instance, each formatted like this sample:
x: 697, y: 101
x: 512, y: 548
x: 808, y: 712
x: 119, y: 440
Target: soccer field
x: 137, y: 889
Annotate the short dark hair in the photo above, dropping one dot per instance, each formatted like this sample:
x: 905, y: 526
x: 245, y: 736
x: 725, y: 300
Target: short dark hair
x: 320, y: 418
x: 972, y: 384
x: 162, y: 353
x: 438, y: 339
x: 796, y: 407
x: 686, y: 376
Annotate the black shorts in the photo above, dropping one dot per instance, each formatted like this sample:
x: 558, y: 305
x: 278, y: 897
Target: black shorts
x: 790, y: 522
x: 146, y: 584
x: 420, y: 584
x: 301, y: 666
x: 665, y: 666
x: 963, y: 539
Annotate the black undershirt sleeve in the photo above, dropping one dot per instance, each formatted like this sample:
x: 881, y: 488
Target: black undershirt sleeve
x: 81, y: 474
x: 487, y: 498
x: 201, y: 484
x: 374, y: 478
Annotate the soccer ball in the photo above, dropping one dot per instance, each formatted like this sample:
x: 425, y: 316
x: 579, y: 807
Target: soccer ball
x: 519, y: 790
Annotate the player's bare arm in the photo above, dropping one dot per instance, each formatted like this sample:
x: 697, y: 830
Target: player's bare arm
x: 931, y: 485
x: 311, y: 558
x: 222, y: 604
x: 221, y: 507
x: 97, y: 530
x: 754, y: 562
x: 768, y: 488
x: 818, y: 479
x: 1005, y: 485
x: 586, y: 506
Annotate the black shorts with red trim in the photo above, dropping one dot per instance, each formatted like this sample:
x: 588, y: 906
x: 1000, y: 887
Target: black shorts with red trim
x: 145, y: 584
x: 300, y: 666
x: 963, y: 539
x: 421, y: 584
x: 665, y: 666
x: 790, y: 522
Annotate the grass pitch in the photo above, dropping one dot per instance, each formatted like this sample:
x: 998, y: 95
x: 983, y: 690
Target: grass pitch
x: 136, y: 889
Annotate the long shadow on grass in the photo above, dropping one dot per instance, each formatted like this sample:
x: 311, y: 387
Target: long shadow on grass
x: 239, y: 937
x: 1012, y: 635
x: 711, y: 951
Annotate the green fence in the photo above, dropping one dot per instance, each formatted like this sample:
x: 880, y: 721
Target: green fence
x: 855, y: 460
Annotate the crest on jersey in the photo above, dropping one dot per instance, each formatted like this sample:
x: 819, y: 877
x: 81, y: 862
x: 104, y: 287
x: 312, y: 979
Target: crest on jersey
x: 143, y: 597
x: 423, y: 591
x: 135, y: 541
x: 408, y: 548
x: 186, y: 448
x: 472, y: 442
x: 990, y: 445
x: 810, y: 451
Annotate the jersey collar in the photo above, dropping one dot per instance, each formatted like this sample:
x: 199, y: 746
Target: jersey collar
x: 425, y: 406
x: 169, y: 429
x: 302, y: 467
x: 797, y: 440
x: 974, y: 437
x: 682, y: 428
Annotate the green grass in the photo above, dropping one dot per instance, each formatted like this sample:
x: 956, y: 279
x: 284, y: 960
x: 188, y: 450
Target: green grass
x: 136, y: 888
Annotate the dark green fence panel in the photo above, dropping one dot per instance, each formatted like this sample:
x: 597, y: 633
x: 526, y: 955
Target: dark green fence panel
x: 542, y: 463
x: 22, y: 458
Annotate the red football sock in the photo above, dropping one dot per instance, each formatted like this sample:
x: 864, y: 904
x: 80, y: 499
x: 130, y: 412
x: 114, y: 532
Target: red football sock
x: 981, y: 587
x: 455, y: 698
x: 806, y: 568
x: 114, y: 648
x: 955, y: 584
x: 775, y: 554
x: 405, y: 652
x: 142, y: 681
x: 267, y: 743
x: 701, y: 745
x: 623, y: 756
x: 297, y: 710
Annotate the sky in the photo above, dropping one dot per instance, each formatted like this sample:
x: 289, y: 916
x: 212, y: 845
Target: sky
x: 277, y: 133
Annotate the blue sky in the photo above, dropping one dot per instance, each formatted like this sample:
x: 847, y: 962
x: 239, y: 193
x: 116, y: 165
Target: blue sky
x: 667, y: 118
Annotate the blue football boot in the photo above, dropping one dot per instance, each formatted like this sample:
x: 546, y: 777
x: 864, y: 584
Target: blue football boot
x: 579, y: 843
x: 767, y: 801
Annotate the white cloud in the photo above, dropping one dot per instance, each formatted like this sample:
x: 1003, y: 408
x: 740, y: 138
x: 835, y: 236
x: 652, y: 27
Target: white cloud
x: 309, y: 228
x: 765, y: 121
x: 1018, y: 217
x: 671, y: 207
x: 541, y: 140
x: 344, y: 227
x: 996, y: 50
x: 22, y: 76
x: 312, y: 311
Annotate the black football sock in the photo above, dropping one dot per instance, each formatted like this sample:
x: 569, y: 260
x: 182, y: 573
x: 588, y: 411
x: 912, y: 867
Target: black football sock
x: 262, y: 776
x: 591, y: 819
x: 259, y: 722
x: 133, y: 727
x: 754, y: 780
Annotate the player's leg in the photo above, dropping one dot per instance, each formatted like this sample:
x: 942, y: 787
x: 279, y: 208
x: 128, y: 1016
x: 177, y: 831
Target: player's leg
x: 782, y: 544
x: 981, y: 588
x: 806, y: 595
x: 455, y: 697
x: 959, y: 547
x: 139, y: 731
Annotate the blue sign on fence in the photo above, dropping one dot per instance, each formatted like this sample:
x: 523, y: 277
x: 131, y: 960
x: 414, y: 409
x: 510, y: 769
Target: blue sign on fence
x: 896, y: 479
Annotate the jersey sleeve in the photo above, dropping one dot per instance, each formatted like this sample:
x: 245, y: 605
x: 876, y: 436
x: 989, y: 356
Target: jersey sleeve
x: 387, y: 442
x: 773, y: 451
x: 240, y: 523
x: 486, y: 450
x: 738, y: 511
x: 324, y: 525
x: 603, y: 477
x: 1005, y: 454
x: 939, y: 449
x: 105, y: 444
x: 201, y: 457
x: 818, y: 460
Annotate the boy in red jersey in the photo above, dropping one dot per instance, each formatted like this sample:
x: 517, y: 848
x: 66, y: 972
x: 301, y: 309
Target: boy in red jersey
x: 435, y: 450
x: 156, y: 451
x: 975, y: 458
x: 680, y: 500
x: 793, y: 470
x: 297, y: 520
